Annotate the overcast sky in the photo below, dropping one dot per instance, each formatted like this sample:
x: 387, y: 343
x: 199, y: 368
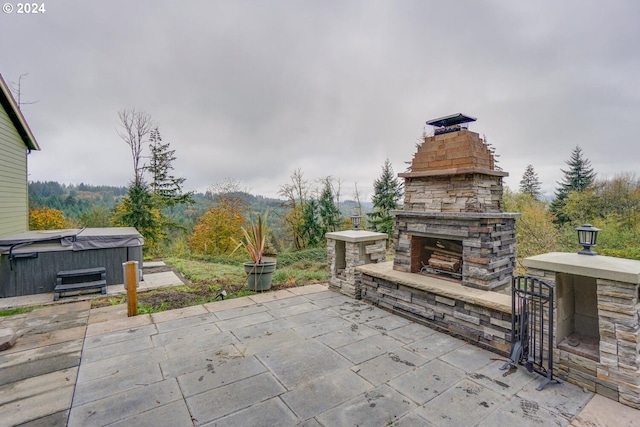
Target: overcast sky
x: 251, y: 90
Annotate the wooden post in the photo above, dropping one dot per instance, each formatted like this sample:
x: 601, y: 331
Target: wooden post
x: 130, y: 283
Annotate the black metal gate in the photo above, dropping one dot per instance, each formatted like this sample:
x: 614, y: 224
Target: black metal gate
x: 532, y: 327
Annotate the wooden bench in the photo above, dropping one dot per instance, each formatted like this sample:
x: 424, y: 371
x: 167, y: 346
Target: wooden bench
x: 80, y: 280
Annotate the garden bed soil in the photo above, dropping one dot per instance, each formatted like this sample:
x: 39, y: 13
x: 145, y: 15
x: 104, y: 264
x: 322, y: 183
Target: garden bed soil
x: 192, y: 293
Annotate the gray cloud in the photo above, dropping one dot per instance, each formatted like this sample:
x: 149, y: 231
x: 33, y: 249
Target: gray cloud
x: 254, y: 89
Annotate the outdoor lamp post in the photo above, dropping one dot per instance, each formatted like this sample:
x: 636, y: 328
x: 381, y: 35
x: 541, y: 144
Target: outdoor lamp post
x: 587, y: 236
x: 355, y: 221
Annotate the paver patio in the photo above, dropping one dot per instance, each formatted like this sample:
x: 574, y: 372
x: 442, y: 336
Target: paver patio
x: 305, y: 356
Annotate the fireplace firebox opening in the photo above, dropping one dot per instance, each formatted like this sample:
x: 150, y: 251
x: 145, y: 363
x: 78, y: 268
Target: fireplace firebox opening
x: 577, y: 319
x: 436, y: 256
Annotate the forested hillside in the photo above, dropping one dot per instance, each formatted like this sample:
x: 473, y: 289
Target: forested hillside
x: 82, y: 205
x: 73, y: 200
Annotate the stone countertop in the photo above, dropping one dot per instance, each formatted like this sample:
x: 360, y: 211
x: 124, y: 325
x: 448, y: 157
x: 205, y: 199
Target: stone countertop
x: 598, y: 266
x: 355, y: 236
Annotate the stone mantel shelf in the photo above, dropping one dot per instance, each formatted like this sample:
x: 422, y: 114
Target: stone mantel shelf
x: 598, y: 266
x: 460, y: 215
x: 454, y: 171
x: 445, y: 288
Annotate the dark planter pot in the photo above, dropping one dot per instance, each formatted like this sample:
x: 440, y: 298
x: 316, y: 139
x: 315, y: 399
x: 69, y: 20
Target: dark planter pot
x: 259, y: 275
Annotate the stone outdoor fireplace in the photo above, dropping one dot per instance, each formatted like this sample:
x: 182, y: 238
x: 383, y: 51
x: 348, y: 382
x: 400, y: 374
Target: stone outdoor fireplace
x: 452, y: 225
x: 454, y: 247
x: 455, y: 251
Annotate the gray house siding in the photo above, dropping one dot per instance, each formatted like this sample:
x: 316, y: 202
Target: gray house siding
x: 14, y: 202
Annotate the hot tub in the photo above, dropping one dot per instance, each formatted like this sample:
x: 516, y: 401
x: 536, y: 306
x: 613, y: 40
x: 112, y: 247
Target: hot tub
x: 30, y: 261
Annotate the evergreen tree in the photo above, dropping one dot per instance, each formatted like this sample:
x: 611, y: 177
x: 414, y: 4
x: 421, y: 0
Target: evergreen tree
x: 530, y: 183
x: 311, y: 229
x: 388, y: 191
x: 139, y: 210
x: 329, y: 212
x: 165, y: 186
x: 578, y: 177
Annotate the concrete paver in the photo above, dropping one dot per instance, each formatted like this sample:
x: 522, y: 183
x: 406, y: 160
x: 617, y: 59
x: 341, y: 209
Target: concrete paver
x: 434, y: 345
x: 37, y: 406
x: 505, y: 382
x: 523, y: 412
x: 117, y: 382
x: 222, y: 401
x: 428, y: 381
x: 38, y: 374
x: 175, y: 414
x: 228, y: 304
x: 106, y: 368
x: 184, y: 364
x: 603, y: 412
x: 298, y: 362
x: 323, y: 393
x: 388, y: 365
x: 466, y: 403
x: 468, y: 357
x: 123, y: 405
x: 266, y: 414
x: 305, y: 357
x: 195, y: 321
x: 179, y: 313
x: 214, y: 376
x: 376, y: 407
x: 118, y: 324
x: 119, y: 336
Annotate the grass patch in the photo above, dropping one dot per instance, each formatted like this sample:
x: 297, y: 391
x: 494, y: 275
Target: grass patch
x: 198, y: 270
x: 208, y: 277
x: 317, y: 255
x: 19, y: 310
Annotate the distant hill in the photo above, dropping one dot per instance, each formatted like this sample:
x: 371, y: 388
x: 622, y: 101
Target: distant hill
x: 74, y: 200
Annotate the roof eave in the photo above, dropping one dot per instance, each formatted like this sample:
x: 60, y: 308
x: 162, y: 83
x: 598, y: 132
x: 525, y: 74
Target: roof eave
x: 18, y: 120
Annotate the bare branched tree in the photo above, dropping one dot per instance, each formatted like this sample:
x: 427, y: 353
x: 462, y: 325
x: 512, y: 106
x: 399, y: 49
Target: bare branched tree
x: 228, y: 192
x: 337, y: 190
x: 297, y: 191
x: 356, y: 196
x: 16, y: 88
x: 296, y: 194
x: 136, y: 125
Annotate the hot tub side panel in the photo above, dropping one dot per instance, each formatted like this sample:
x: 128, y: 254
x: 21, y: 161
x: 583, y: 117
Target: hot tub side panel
x: 30, y: 276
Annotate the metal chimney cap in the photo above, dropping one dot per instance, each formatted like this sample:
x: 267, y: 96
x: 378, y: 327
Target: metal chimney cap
x: 451, y: 120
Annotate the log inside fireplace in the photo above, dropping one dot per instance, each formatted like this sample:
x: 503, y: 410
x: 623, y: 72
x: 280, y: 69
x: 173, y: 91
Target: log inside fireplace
x: 436, y: 256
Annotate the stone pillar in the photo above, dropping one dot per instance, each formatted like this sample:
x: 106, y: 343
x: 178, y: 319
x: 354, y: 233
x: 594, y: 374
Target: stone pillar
x: 614, y: 372
x: 619, y: 339
x: 349, y: 249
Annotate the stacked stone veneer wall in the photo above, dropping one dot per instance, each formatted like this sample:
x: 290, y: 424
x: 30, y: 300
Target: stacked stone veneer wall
x: 343, y: 256
x: 479, y: 317
x: 467, y: 192
x: 617, y: 374
x: 488, y: 242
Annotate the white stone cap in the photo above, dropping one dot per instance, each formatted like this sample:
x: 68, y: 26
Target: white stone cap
x: 355, y: 236
x: 598, y: 266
